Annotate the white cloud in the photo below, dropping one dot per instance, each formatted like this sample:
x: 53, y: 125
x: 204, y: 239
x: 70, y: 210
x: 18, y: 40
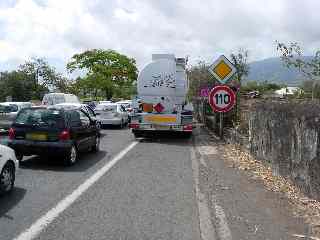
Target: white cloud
x: 59, y: 28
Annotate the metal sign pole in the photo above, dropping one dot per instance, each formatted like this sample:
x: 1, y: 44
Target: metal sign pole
x: 221, y: 126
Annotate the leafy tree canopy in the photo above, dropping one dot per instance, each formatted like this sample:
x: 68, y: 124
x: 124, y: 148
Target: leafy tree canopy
x: 107, y: 70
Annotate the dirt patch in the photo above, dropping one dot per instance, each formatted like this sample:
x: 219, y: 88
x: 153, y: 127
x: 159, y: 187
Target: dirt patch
x: 301, y: 205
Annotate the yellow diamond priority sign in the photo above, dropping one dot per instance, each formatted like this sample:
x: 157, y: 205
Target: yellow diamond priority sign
x: 222, y: 69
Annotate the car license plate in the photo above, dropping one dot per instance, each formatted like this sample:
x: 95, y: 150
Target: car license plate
x: 176, y: 127
x: 161, y: 127
x: 37, y: 136
x: 145, y: 126
x: 160, y: 119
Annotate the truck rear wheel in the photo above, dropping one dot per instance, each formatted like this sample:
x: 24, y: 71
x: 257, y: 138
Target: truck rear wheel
x: 137, y: 134
x: 187, y: 134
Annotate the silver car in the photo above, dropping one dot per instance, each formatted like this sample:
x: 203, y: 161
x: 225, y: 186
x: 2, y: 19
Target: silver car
x: 9, y: 111
x: 128, y: 107
x: 111, y: 114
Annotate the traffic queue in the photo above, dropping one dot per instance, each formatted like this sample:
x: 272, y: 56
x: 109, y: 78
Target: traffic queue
x: 61, y: 127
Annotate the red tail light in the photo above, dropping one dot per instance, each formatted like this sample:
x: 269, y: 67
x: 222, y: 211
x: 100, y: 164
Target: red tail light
x: 134, y: 125
x: 188, y: 128
x: 64, y: 135
x: 12, y: 133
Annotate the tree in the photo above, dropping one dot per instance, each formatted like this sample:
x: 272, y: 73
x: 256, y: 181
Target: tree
x: 262, y: 87
x: 16, y: 84
x: 240, y: 62
x: 107, y: 70
x: 40, y: 70
x: 292, y: 56
x: 199, y: 77
x: 44, y: 77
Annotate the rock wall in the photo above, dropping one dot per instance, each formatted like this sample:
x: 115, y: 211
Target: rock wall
x: 287, y: 136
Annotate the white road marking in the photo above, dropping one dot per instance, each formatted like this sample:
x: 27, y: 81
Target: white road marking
x: 206, y: 228
x: 305, y: 237
x: 203, y: 162
x: 206, y: 148
x: 222, y: 227
x: 35, y: 229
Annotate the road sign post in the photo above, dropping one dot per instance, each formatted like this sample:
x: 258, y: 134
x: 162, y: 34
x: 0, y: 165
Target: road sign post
x: 222, y: 98
x: 221, y: 125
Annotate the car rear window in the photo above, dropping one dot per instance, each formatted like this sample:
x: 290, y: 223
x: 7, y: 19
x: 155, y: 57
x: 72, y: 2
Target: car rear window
x: 107, y: 108
x: 41, y: 117
x: 71, y: 99
x: 8, y: 108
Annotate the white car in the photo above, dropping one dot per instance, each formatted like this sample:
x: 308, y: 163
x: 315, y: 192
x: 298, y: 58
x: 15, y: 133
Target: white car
x: 128, y: 106
x: 56, y: 98
x: 111, y: 114
x: 8, y: 166
x: 105, y: 102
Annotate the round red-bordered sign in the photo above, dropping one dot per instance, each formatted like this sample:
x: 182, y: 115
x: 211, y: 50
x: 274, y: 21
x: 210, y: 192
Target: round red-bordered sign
x: 222, y: 98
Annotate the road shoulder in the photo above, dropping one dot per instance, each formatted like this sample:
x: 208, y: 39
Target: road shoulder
x: 240, y: 206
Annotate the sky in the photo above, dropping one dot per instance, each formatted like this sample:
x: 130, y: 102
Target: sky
x: 202, y: 30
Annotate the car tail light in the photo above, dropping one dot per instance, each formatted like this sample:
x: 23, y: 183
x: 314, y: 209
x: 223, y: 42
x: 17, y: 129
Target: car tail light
x: 133, y: 125
x: 12, y: 133
x: 187, y: 128
x: 64, y: 135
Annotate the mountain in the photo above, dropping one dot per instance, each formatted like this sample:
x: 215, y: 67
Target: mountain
x: 273, y: 70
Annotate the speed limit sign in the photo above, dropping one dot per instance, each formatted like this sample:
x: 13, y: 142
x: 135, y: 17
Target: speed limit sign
x: 222, y: 98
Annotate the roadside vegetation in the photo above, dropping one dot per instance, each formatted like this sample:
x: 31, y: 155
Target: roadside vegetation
x: 291, y: 56
x: 103, y: 74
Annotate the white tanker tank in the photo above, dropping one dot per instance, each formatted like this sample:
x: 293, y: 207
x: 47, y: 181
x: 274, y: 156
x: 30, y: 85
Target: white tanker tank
x: 162, y: 89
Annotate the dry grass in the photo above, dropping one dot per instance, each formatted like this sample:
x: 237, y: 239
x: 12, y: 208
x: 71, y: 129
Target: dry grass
x: 301, y: 205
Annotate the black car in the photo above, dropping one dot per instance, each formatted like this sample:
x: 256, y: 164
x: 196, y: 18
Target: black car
x: 53, y: 132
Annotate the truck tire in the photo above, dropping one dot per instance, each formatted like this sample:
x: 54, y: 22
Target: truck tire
x: 187, y: 134
x: 137, y: 134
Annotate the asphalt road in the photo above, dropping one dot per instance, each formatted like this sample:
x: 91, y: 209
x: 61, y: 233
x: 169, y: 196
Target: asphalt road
x: 167, y: 188
x: 147, y: 194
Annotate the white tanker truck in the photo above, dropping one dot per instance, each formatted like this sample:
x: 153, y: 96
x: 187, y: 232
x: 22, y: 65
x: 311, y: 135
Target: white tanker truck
x: 161, y: 101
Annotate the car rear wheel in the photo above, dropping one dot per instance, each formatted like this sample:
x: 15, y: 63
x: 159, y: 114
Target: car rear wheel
x: 96, y: 146
x: 7, y: 178
x: 19, y: 156
x: 71, y: 157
